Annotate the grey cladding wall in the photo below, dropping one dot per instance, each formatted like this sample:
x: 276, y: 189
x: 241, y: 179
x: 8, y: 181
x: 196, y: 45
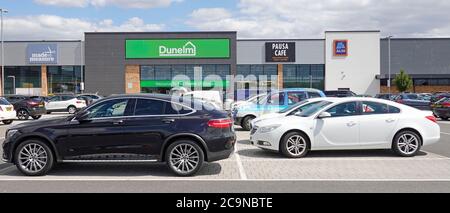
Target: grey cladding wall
x: 423, y: 57
x: 105, y: 57
x: 306, y: 51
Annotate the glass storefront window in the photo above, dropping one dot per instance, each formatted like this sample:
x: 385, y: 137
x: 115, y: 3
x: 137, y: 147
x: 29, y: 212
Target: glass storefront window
x: 63, y: 79
x: 304, y: 76
x: 25, y: 77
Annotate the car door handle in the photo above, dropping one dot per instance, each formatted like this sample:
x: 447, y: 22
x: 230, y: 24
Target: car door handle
x: 118, y: 122
x: 390, y: 120
x: 168, y: 121
x: 351, y: 123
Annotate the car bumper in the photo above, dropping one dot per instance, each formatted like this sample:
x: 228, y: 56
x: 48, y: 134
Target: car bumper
x: 8, y: 115
x: 37, y: 111
x: 442, y: 112
x: 6, y: 156
x: 268, y: 140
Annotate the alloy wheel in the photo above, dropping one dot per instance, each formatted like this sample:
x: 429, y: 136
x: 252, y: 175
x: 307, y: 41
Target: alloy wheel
x: 33, y: 158
x: 184, y: 158
x: 72, y: 110
x: 22, y: 115
x: 408, y: 144
x: 296, y: 145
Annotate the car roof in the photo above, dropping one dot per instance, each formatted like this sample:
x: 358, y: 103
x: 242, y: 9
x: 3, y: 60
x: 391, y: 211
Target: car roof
x: 142, y: 95
x: 297, y: 89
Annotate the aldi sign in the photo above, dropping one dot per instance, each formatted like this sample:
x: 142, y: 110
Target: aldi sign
x: 42, y: 53
x: 340, y: 47
x: 177, y: 48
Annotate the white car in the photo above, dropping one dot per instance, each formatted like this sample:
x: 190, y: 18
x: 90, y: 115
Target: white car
x: 231, y: 105
x: 292, y: 110
x: 349, y: 124
x: 64, y: 103
x: 7, y: 112
x: 212, y: 97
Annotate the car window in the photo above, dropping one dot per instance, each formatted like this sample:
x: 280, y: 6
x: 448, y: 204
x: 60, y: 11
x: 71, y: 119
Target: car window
x: 3, y: 101
x: 174, y: 109
x: 55, y: 98
x: 111, y: 108
x: 412, y: 96
x: 314, y: 95
x: 149, y: 107
x: 344, y: 109
x: 315, y: 107
x: 369, y: 108
x: 393, y: 110
x: 66, y: 98
x: 303, y: 108
x: 276, y: 99
x: 295, y: 97
x: 293, y: 106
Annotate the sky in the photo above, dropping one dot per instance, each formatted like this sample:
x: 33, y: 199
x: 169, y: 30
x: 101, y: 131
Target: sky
x: 69, y: 19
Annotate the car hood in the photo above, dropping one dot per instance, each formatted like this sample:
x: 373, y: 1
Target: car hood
x: 41, y: 122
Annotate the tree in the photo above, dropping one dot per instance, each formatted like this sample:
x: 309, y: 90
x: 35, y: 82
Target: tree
x: 403, y: 81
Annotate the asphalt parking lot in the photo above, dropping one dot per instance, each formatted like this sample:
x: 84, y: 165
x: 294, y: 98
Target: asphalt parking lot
x: 250, y: 169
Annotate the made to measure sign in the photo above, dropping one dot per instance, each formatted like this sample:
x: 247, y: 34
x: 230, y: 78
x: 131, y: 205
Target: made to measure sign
x: 177, y: 48
x: 42, y: 53
x: 280, y: 51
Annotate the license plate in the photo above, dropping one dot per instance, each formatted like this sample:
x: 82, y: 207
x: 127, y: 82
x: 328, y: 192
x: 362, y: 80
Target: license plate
x: 41, y: 105
x: 9, y: 109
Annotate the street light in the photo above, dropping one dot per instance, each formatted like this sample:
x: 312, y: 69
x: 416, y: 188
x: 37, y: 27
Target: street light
x: 389, y: 63
x: 2, y: 48
x: 14, y: 83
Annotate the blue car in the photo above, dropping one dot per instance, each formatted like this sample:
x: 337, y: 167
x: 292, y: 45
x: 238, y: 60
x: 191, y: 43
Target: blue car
x: 274, y: 102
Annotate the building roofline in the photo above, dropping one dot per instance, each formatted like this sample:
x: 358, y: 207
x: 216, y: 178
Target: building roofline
x: 279, y: 39
x: 17, y: 41
x: 162, y: 32
x: 352, y: 31
x: 431, y: 38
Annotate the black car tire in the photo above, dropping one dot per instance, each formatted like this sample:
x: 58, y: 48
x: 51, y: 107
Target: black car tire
x: 444, y: 118
x: 246, y: 123
x: 7, y: 122
x: 400, y: 149
x: 48, y: 113
x: 41, y: 162
x: 71, y: 110
x: 194, y: 154
x: 22, y: 114
x: 36, y: 117
x: 298, y: 144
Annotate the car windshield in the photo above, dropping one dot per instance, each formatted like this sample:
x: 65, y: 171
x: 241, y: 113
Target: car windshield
x: 315, y: 107
x: 256, y: 98
x: 293, y: 107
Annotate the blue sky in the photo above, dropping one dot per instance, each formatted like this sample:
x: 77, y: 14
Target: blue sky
x: 69, y: 19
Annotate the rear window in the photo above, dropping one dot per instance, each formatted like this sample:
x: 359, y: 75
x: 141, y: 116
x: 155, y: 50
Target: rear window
x: 412, y: 96
x: 3, y: 101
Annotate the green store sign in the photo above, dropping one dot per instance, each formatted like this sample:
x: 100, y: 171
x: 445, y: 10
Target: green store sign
x: 177, y: 48
x: 186, y: 83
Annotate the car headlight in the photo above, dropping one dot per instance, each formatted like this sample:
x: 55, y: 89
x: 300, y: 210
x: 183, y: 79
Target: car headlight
x: 11, y: 133
x: 270, y: 128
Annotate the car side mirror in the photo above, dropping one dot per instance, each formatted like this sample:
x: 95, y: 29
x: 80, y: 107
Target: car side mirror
x: 82, y: 116
x: 324, y: 115
x: 298, y: 113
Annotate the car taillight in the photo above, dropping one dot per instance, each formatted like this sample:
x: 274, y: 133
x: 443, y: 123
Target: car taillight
x: 32, y: 103
x: 80, y: 102
x: 446, y: 104
x: 431, y: 118
x: 220, y: 123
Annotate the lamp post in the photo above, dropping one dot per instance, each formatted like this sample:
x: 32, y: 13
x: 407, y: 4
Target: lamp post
x: 2, y: 48
x: 389, y: 64
x: 14, y: 83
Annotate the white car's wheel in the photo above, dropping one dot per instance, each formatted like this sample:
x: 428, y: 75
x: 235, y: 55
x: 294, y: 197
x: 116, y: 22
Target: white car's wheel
x: 294, y: 145
x: 407, y: 143
x: 71, y: 109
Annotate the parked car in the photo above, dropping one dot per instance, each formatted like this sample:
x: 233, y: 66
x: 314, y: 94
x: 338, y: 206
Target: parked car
x: 339, y: 93
x: 252, y: 100
x: 438, y: 96
x: 65, y: 103
x: 349, y: 124
x: 87, y: 99
x: 7, y: 112
x: 386, y: 96
x: 292, y: 110
x: 273, y: 102
x: 93, y: 97
x: 124, y: 128
x: 413, y: 100
x: 442, y: 108
x: 27, y: 106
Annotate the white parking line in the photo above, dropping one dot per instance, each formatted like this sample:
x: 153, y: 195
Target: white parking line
x: 445, y: 133
x: 231, y: 180
x: 239, y: 164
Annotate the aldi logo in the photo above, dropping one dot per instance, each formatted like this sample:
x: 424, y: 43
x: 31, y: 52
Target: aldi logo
x: 340, y: 47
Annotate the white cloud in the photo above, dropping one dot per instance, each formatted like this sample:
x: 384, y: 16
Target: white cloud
x: 309, y: 19
x: 55, y: 27
x: 103, y: 3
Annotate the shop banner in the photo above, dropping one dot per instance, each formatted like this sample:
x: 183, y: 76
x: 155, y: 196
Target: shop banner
x: 42, y: 54
x: 177, y: 48
x: 191, y: 83
x: 280, y: 51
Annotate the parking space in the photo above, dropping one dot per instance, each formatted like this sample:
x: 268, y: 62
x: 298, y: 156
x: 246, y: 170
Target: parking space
x: 251, y: 163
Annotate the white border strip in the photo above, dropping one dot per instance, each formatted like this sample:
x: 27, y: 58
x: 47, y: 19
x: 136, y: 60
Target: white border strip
x: 232, y: 180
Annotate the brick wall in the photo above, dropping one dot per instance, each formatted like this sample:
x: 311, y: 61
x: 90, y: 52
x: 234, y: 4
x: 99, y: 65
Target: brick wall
x: 132, y: 79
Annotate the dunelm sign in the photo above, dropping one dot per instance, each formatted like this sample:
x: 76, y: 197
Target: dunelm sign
x: 177, y: 48
x: 42, y: 53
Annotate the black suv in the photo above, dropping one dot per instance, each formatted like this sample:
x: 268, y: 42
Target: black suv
x: 125, y: 128
x: 27, y: 106
x: 339, y: 93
